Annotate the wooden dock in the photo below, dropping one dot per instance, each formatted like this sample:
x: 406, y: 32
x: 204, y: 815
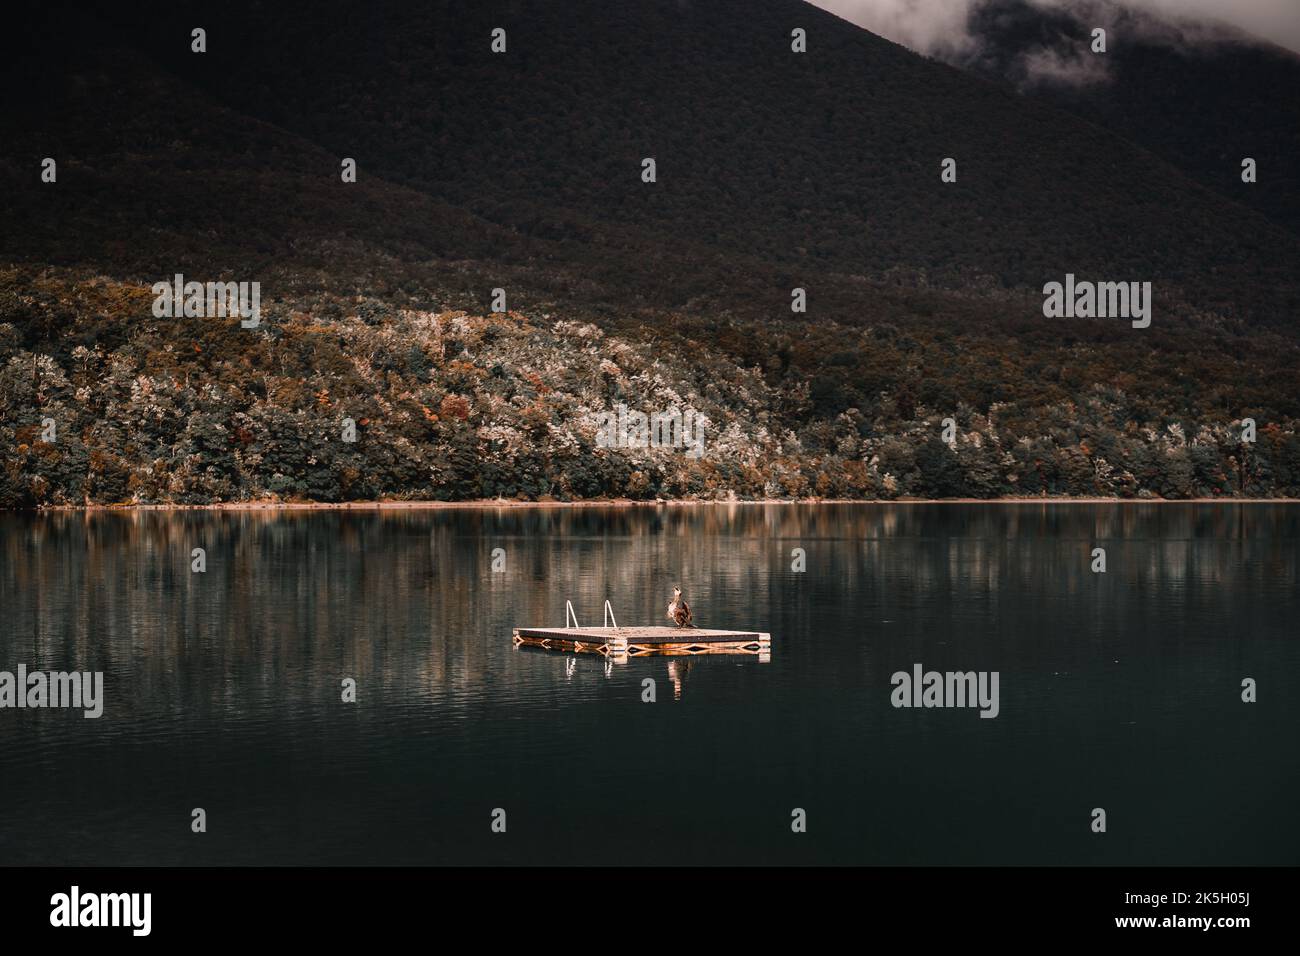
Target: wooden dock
x: 624, y: 642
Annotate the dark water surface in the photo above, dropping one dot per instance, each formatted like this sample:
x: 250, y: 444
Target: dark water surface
x: 1119, y: 690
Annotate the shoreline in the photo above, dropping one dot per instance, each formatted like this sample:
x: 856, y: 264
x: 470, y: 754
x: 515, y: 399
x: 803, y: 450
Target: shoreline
x: 480, y: 503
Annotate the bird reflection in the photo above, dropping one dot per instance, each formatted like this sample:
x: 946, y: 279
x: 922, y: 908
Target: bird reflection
x: 677, y: 671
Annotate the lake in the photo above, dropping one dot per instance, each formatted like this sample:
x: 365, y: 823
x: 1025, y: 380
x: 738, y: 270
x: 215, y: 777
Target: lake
x: 1119, y: 690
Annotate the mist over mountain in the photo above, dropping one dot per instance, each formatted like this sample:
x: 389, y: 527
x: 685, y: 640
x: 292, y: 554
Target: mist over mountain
x: 1186, y: 79
x: 522, y: 171
x: 1201, y: 98
x: 942, y: 27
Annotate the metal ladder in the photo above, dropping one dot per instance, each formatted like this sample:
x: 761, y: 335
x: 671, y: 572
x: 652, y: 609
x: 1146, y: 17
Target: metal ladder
x: 571, y: 615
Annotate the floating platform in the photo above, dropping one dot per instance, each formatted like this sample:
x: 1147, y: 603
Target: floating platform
x: 625, y: 642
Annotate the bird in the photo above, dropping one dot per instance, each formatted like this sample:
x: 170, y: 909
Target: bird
x: 679, y: 611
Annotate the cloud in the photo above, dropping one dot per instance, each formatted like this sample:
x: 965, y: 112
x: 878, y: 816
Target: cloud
x: 940, y: 27
x: 936, y: 27
x: 1074, y: 68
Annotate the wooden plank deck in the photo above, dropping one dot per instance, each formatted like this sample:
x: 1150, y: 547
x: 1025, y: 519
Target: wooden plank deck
x: 623, y: 642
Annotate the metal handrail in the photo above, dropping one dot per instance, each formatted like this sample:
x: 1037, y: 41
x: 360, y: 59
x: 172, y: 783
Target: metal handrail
x: 569, y: 612
x: 609, y: 615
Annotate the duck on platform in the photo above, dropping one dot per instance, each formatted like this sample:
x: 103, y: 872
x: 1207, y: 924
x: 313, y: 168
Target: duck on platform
x: 679, y: 612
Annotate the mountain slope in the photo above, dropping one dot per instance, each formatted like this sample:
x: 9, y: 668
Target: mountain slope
x: 479, y: 172
x: 827, y: 160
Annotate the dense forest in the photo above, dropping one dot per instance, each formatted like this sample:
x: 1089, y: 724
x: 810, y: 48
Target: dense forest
x: 449, y: 405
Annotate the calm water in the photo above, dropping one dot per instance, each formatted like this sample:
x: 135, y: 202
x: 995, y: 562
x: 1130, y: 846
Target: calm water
x: 1118, y: 690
